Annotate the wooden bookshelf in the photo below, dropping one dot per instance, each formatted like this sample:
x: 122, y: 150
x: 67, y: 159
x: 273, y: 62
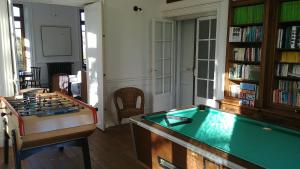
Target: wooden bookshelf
x: 229, y: 81
x: 264, y: 108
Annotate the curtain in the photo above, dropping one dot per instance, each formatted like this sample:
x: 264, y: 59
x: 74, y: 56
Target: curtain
x: 6, y: 57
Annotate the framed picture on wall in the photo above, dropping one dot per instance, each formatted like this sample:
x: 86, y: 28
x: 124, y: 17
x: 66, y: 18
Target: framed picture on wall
x: 56, y: 40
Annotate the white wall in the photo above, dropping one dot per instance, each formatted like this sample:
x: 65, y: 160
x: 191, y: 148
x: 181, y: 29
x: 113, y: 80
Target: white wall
x: 36, y: 15
x: 127, y: 57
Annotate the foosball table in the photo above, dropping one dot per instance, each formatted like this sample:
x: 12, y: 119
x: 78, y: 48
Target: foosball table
x: 45, y: 120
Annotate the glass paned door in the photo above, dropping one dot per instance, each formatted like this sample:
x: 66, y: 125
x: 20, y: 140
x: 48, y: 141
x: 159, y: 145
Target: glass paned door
x: 162, y: 51
x: 205, y: 61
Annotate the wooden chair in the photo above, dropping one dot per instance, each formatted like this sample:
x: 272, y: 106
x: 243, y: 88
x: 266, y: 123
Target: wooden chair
x: 61, y: 82
x: 128, y: 97
x: 35, y: 79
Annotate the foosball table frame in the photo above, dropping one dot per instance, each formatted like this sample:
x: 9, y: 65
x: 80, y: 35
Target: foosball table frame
x: 22, y: 154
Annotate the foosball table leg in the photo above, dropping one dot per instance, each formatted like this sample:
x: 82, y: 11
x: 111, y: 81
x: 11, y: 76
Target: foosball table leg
x: 6, y: 142
x: 86, y: 154
x: 16, y: 151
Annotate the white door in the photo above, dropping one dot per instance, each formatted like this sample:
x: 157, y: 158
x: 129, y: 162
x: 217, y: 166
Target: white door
x: 187, y: 54
x: 205, y: 61
x: 162, y: 62
x: 94, y: 53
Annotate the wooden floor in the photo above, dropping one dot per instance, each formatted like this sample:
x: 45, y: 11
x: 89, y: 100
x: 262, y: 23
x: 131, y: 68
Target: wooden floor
x: 111, y: 149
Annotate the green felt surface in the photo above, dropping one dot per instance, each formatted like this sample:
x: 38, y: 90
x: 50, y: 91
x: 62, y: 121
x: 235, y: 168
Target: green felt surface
x: 253, y: 141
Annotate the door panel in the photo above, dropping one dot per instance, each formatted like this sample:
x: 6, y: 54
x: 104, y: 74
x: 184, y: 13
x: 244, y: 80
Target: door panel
x: 187, y: 54
x: 205, y: 61
x: 162, y: 61
x: 94, y: 51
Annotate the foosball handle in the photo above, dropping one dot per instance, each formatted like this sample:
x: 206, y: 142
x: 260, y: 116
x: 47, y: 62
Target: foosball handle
x: 3, y: 114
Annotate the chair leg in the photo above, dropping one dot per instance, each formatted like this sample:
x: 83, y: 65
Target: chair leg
x: 120, y: 121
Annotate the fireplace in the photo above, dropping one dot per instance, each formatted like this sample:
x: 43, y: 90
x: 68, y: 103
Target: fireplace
x: 58, y: 67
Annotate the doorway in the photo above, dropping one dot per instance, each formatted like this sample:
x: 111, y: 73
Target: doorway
x: 197, y: 61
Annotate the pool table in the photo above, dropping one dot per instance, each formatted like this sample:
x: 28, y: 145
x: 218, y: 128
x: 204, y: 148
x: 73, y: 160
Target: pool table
x: 203, y: 137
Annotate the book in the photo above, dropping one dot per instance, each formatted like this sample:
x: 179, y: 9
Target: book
x: 244, y: 72
x: 247, y: 86
x: 248, y: 94
x: 289, y: 37
x: 235, y: 34
x: 248, y: 14
x: 288, y: 92
x: 284, y: 70
x: 252, y: 34
x: 293, y: 37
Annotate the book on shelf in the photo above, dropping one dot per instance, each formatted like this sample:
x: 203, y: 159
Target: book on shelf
x: 289, y: 37
x: 290, y: 57
x: 248, y: 14
x: 288, y: 92
x: 290, y: 11
x: 247, y: 54
x: 246, y: 34
x: 235, y: 34
x: 234, y: 90
x: 244, y: 72
x: 248, y: 94
x: 285, y: 70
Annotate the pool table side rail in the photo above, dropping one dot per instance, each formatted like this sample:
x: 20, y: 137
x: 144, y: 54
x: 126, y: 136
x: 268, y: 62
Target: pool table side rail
x: 203, y: 149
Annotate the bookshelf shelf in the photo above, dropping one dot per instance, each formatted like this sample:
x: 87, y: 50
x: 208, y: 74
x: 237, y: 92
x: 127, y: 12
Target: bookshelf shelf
x: 289, y: 49
x: 246, y: 44
x: 245, y: 81
x: 288, y: 78
x: 294, y: 63
x: 289, y: 23
x: 245, y: 62
x: 247, y: 25
x: 246, y: 3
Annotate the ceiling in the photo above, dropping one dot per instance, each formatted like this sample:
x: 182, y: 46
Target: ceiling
x: 78, y: 3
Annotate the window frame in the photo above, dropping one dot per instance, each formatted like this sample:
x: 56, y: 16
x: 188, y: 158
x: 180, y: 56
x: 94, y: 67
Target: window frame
x: 81, y: 42
x: 22, y: 28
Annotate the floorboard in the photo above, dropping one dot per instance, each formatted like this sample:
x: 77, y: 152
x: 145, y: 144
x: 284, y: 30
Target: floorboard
x: 111, y: 149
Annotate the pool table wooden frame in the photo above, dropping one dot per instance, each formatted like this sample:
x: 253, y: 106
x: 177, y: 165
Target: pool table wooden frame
x: 152, y: 141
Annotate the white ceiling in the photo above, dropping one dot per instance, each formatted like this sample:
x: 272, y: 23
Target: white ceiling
x: 78, y: 3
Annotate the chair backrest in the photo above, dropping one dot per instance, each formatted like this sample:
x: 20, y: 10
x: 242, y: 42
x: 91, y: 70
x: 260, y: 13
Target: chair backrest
x: 129, y: 97
x: 36, y: 73
x: 60, y: 82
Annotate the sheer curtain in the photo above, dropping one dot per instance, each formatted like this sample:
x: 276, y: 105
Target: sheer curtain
x: 6, y: 57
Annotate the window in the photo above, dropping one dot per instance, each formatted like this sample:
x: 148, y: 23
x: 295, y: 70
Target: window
x: 20, y: 36
x: 83, y: 38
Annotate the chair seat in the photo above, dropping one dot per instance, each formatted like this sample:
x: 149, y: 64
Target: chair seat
x: 126, y: 113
